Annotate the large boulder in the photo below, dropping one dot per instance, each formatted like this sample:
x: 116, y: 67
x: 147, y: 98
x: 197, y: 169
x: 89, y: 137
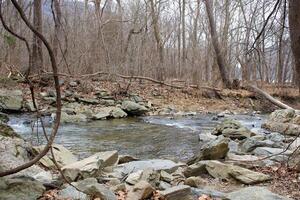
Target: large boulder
x: 283, y: 121
x: 226, y: 171
x: 62, y: 156
x: 133, y: 108
x: 254, y: 193
x: 251, y: 143
x: 22, y: 188
x: 232, y: 129
x: 14, y: 151
x: 11, y: 100
x: 91, y: 166
x: 214, y: 150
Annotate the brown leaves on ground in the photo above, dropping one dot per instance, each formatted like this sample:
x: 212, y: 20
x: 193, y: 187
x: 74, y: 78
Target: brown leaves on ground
x: 286, y: 181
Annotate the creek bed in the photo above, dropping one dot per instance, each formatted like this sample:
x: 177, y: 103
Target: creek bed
x: 144, y: 137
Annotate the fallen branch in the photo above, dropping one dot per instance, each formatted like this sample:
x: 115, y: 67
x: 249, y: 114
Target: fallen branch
x: 270, y: 98
x: 134, y: 77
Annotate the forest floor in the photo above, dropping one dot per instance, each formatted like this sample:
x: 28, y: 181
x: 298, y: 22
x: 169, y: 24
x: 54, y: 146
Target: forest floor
x: 186, y: 99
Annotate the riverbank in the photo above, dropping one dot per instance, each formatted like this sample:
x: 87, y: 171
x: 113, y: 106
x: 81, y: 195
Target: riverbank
x: 231, y: 164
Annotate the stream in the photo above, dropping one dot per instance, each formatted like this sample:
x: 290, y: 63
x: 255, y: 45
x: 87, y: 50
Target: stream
x: 144, y: 137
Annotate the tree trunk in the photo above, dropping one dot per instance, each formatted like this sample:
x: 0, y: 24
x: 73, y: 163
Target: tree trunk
x: 216, y: 45
x: 294, y: 19
x: 37, y: 52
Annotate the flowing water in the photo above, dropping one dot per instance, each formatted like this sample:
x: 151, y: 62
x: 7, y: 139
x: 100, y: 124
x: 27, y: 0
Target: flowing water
x: 144, y: 137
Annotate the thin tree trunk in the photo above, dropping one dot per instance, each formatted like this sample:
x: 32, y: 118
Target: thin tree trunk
x: 220, y: 58
x: 294, y: 19
x: 37, y: 52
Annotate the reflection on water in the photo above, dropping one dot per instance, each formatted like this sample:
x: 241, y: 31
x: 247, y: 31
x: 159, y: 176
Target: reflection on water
x: 146, y: 137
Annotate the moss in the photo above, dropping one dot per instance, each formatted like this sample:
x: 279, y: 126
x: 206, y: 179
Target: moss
x: 7, y: 131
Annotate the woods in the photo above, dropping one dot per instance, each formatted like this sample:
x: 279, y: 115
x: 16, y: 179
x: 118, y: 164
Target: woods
x: 194, y: 41
x: 149, y: 99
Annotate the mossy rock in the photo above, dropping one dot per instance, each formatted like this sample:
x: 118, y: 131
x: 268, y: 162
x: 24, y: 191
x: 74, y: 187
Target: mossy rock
x: 7, y: 131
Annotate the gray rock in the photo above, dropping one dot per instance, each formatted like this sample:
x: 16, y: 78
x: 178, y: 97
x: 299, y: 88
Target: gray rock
x: 91, y: 166
x: 91, y: 187
x: 141, y: 190
x: 66, y: 118
x: 71, y: 193
x: 11, y: 100
x: 250, y: 144
x: 254, y: 193
x: 282, y: 116
x: 91, y: 101
x: 284, y: 128
x: 195, y: 169
x: 216, y: 149
x: 275, y: 137
x: 133, y: 108
x: 232, y: 129
x: 197, y: 192
x: 3, y: 118
x: 62, y: 155
x: 118, y: 113
x: 126, y: 158
x: 103, y: 113
x: 149, y: 175
x: 267, y: 151
x: 22, y: 188
x: 177, y: 193
x: 167, y: 165
x: 206, y: 137
x: 195, y: 181
x: 227, y: 171
x: 29, y: 106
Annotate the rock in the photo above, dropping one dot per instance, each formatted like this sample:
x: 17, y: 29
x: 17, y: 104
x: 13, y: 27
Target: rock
x: 157, y: 165
x: 66, y: 118
x: 71, y: 193
x: 206, y: 137
x: 3, y: 118
x: 216, y: 149
x: 233, y: 147
x: 284, y: 128
x: 166, y: 177
x: 44, y: 177
x: 149, y: 175
x: 62, y: 155
x: 177, y: 193
x: 141, y: 190
x: 14, y: 151
x: 267, y: 151
x: 103, y: 113
x: 126, y: 159
x: 91, y: 101
x: 91, y: 187
x: 164, y: 185
x: 205, y: 191
x: 275, y: 137
x: 29, y: 106
x: 250, y: 144
x: 282, y: 116
x: 118, y: 113
x: 254, y: 193
x: 295, y: 144
x: 232, y: 129
x: 195, y: 169
x: 195, y: 182
x: 7, y: 131
x: 133, y: 108
x: 226, y: 171
x: 11, y: 100
x: 22, y: 188
x: 91, y: 166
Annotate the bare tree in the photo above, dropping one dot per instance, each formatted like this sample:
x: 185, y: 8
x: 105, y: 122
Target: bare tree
x: 37, y: 51
x: 294, y: 20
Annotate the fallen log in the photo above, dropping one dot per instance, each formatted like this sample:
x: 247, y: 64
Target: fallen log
x: 269, y: 97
